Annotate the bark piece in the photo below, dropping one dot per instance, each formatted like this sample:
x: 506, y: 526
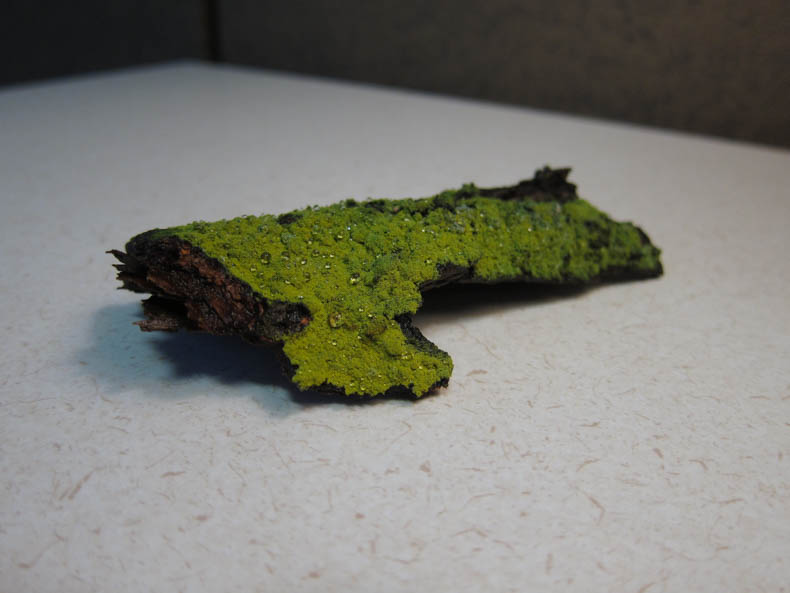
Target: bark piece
x: 335, y: 287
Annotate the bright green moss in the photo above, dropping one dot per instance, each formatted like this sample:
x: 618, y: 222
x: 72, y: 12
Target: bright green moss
x: 356, y: 266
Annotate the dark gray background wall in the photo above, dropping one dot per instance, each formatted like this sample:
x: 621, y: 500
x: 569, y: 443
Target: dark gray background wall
x: 713, y: 66
x: 46, y: 38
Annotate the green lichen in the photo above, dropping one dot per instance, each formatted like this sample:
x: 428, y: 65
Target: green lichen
x: 357, y: 266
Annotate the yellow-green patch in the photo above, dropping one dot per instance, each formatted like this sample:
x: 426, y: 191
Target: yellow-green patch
x: 357, y: 266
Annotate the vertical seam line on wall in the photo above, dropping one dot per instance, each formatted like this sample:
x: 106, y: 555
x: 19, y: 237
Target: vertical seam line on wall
x: 212, y: 24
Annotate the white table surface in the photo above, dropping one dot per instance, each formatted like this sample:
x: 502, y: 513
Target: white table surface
x: 634, y: 437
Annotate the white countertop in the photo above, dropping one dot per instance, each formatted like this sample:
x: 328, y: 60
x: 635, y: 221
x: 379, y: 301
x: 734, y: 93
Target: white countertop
x: 634, y: 437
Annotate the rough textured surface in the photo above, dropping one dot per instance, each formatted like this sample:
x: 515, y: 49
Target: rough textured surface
x: 336, y: 285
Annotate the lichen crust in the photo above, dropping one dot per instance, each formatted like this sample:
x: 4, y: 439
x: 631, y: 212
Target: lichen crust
x: 359, y: 269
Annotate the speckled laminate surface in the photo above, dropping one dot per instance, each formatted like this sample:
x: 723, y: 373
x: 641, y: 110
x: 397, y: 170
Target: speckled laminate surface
x: 628, y: 438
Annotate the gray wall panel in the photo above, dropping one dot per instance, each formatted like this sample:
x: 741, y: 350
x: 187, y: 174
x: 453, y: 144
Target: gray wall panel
x: 42, y: 39
x: 712, y: 66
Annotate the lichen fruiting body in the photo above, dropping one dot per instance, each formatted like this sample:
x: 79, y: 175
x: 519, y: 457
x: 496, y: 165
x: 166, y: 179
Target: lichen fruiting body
x: 358, y: 266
